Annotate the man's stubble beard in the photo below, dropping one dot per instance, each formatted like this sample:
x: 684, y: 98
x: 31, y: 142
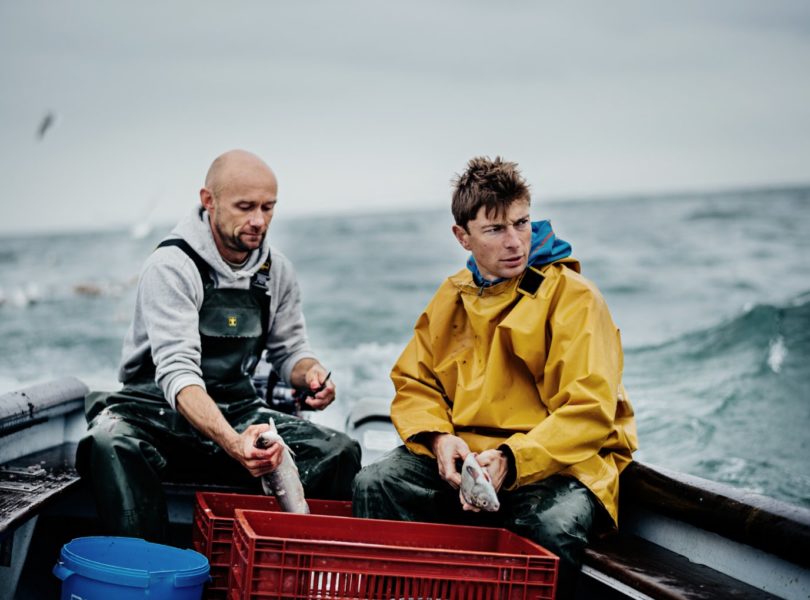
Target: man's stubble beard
x: 233, y: 242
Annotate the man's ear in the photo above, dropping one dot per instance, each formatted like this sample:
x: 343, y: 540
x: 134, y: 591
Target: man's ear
x: 207, y: 199
x: 462, y: 236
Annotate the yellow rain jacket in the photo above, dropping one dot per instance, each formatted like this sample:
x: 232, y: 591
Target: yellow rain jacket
x: 541, y: 375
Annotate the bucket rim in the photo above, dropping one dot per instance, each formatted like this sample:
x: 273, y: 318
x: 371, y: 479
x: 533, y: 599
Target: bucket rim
x: 71, y: 559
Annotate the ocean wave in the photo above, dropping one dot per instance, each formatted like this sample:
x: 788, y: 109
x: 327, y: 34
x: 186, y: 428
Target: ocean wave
x: 761, y: 353
x: 21, y: 296
x: 770, y: 336
x: 31, y: 293
x: 722, y: 401
x: 716, y: 214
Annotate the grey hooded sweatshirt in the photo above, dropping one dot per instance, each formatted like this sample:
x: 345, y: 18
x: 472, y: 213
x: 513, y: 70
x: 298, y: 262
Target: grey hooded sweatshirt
x: 169, y: 298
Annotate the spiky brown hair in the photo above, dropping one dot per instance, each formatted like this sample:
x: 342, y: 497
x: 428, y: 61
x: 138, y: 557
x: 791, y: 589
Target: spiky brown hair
x: 493, y: 184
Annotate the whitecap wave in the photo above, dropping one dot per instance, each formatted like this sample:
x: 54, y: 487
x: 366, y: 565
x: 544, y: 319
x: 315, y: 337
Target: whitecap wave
x: 777, y: 353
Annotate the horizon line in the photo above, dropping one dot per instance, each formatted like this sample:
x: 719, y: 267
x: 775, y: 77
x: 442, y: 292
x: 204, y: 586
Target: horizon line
x: 662, y: 195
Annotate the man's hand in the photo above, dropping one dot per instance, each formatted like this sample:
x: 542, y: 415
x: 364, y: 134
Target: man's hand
x: 256, y: 460
x: 309, y: 374
x: 494, y: 461
x: 448, y: 448
x: 320, y: 382
x: 202, y: 412
x: 495, y: 464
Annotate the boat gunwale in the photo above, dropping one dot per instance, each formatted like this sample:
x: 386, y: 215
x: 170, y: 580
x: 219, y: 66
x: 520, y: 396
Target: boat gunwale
x: 771, y: 525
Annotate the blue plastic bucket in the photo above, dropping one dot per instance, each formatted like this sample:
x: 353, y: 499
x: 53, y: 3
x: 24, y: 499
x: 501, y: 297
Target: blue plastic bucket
x: 125, y: 568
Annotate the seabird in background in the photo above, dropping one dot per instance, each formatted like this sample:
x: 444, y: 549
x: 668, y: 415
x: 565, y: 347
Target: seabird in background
x: 47, y: 122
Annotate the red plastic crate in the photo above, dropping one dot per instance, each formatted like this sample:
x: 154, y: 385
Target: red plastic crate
x: 281, y: 555
x: 213, y: 528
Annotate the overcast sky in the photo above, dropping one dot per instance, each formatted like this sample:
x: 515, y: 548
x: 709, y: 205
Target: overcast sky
x: 375, y: 105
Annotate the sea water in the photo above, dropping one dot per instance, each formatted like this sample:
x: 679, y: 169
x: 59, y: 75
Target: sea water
x: 711, y: 292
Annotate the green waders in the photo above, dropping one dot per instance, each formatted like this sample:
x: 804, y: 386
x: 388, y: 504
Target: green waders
x: 135, y: 440
x: 558, y: 513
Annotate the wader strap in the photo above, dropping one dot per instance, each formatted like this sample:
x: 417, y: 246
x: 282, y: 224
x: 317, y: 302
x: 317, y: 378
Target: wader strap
x: 258, y: 287
x: 259, y: 279
x: 258, y: 283
x: 202, y: 266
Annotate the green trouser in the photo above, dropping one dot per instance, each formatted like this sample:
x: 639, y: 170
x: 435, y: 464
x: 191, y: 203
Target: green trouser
x: 558, y: 513
x: 135, y: 441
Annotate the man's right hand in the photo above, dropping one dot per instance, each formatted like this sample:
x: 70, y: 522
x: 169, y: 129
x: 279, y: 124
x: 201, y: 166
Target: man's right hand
x: 194, y: 403
x: 257, y: 461
x: 449, y: 448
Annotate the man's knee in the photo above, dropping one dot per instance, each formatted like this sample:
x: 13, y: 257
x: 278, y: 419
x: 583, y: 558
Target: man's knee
x: 348, y: 450
x: 100, y: 440
x: 369, y: 478
x: 113, y: 443
x: 371, y: 497
x: 566, y: 524
x: 324, y: 445
x: 376, y: 483
x: 559, y: 517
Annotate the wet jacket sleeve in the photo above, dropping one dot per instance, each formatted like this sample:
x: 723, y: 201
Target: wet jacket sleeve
x: 420, y: 405
x: 579, y: 379
x: 287, y: 341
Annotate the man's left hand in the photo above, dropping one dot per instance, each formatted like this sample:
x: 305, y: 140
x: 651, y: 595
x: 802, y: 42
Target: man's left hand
x: 494, y: 461
x: 316, y: 377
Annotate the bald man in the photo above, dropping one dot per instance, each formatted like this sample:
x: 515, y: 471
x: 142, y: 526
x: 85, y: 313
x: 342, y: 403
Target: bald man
x: 211, y: 299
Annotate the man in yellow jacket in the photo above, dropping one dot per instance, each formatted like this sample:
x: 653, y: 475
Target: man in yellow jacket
x: 517, y: 359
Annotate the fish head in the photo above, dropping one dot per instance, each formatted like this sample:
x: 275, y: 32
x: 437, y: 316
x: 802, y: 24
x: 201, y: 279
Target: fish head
x: 484, y: 497
x: 476, y: 486
x: 269, y: 437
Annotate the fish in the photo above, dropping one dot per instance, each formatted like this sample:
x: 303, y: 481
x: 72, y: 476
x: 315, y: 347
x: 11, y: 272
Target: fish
x: 476, y: 485
x: 284, y: 482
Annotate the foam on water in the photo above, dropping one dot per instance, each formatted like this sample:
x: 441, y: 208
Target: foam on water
x: 776, y: 354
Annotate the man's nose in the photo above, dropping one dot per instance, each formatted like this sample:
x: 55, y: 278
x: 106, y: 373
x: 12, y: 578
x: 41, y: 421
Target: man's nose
x: 511, y: 239
x: 256, y: 218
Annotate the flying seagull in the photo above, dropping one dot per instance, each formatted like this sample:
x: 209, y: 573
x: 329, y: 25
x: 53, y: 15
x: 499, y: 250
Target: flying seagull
x: 47, y: 122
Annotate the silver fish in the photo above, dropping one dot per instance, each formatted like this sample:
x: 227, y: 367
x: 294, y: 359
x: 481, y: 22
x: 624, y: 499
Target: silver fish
x: 284, y: 483
x: 476, y: 485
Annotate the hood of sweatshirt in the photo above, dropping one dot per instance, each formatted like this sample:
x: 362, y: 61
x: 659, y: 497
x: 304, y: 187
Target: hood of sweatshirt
x: 546, y: 248
x: 196, y: 230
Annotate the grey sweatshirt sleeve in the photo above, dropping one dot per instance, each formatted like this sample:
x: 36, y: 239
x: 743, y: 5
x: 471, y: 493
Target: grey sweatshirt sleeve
x: 169, y: 299
x: 287, y: 341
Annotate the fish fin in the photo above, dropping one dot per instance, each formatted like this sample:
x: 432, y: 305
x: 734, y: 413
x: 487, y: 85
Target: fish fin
x: 472, y: 472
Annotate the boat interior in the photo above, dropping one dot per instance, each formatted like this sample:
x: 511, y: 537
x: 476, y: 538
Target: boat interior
x: 681, y: 537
